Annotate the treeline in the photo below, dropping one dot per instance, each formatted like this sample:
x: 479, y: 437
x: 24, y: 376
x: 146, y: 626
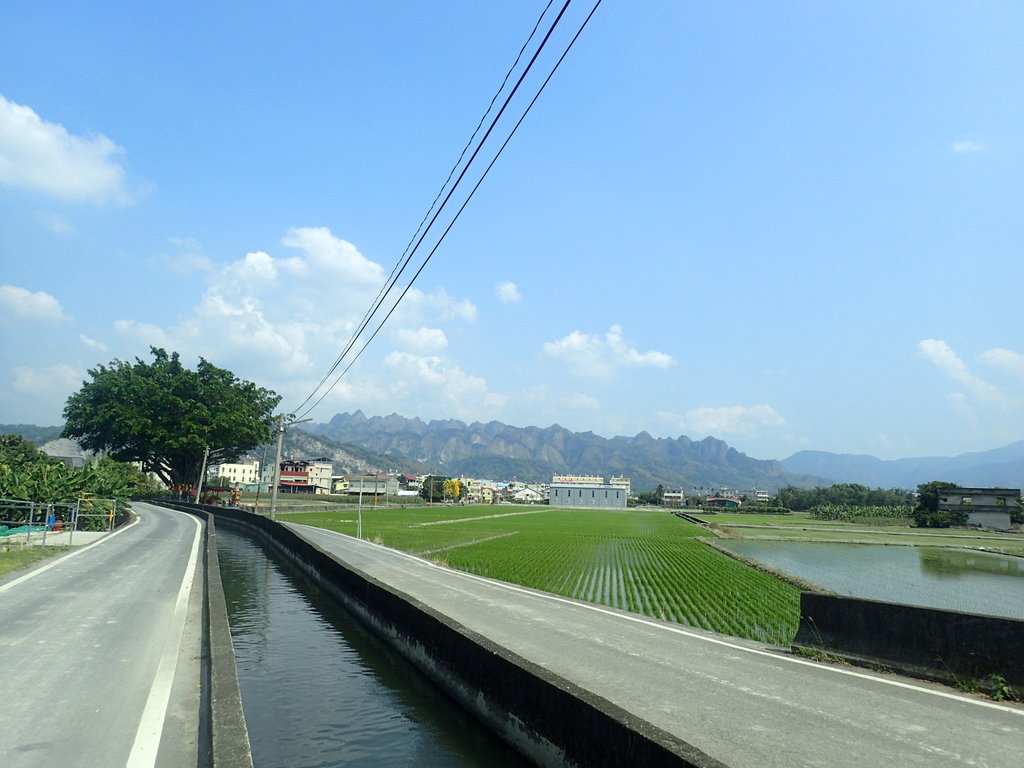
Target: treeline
x: 844, y: 495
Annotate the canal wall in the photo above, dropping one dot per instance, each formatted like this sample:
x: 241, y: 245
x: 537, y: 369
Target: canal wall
x: 544, y: 717
x: 224, y: 737
x: 924, y: 642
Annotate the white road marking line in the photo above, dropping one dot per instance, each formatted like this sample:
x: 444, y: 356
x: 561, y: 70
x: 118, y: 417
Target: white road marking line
x: 151, y: 726
x: 64, y: 558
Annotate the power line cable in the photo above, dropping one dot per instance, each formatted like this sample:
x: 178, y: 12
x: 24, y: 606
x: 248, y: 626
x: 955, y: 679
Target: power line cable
x: 451, y: 224
x: 439, y: 209
x: 406, y: 255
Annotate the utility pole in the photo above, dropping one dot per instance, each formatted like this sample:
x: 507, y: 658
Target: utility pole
x: 359, y: 513
x: 202, y: 475
x: 277, y: 466
x: 277, y: 463
x: 259, y: 481
x: 207, y: 455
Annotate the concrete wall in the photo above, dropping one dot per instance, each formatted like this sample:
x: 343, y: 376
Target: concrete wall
x: 998, y: 520
x: 224, y: 737
x: 926, y: 642
x: 544, y: 717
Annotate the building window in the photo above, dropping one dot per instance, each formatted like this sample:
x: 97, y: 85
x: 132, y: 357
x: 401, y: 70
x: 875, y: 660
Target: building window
x: 965, y: 501
x: 1000, y: 501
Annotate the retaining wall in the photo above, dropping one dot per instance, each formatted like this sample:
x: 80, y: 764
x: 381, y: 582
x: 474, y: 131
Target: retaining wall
x: 544, y: 717
x: 924, y: 642
x: 224, y: 736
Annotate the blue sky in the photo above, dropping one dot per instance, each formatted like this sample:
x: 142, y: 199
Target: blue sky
x: 789, y: 225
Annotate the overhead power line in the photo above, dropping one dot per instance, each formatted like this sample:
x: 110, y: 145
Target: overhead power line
x: 396, y: 271
x: 422, y: 232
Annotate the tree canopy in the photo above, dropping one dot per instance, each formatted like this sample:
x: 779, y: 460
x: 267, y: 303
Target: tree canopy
x: 433, y: 488
x: 165, y: 415
x: 844, y: 494
x: 927, y: 513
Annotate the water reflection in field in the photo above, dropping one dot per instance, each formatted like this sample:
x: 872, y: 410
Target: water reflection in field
x: 959, y: 580
x: 319, y: 691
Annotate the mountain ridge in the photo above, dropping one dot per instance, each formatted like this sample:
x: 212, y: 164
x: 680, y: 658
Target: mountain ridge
x: 501, y: 451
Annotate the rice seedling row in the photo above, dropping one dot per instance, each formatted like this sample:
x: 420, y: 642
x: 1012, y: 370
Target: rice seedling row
x: 650, y: 563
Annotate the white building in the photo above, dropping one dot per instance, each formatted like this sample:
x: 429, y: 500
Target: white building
x: 577, y: 479
x: 527, y: 493
x: 242, y: 473
x: 673, y: 498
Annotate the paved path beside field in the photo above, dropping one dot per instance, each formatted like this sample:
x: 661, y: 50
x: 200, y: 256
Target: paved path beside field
x: 740, y: 702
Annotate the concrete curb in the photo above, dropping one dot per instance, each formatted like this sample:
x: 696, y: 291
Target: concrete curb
x: 927, y: 643
x: 224, y: 736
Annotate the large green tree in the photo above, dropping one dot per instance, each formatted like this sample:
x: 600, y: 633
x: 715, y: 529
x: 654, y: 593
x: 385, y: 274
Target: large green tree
x: 927, y: 513
x: 165, y: 415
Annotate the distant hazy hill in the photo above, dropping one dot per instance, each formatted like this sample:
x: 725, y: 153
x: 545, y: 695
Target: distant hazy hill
x: 347, y: 459
x: 499, y: 451
x: 35, y: 435
x: 1001, y: 467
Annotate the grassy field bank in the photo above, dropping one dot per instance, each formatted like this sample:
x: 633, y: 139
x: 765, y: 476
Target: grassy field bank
x: 648, y: 562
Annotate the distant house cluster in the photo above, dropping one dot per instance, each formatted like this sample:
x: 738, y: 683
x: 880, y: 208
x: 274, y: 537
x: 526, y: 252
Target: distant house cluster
x: 315, y: 476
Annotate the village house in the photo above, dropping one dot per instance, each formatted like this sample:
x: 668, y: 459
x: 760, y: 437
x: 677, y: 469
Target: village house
x: 985, y: 507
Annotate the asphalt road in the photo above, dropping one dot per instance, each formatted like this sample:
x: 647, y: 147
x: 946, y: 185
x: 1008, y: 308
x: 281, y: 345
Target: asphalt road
x: 740, y: 702
x: 99, y: 651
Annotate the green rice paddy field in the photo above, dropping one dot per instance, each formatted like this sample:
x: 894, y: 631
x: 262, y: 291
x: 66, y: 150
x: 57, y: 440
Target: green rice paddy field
x: 648, y: 562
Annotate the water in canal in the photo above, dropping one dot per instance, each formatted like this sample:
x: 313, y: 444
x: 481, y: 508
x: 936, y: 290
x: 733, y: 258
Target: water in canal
x: 319, y: 691
x: 952, y: 579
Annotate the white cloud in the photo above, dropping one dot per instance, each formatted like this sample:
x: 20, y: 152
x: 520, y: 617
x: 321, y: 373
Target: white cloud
x: 748, y: 421
x: 55, y: 380
x: 965, y: 145
x: 507, y: 292
x: 422, y: 339
x: 330, y: 258
x: 1005, y: 360
x: 18, y: 305
x: 437, y: 306
x: 594, y: 355
x: 282, y: 322
x: 946, y: 360
x: 42, y: 156
x: 144, y: 335
x: 90, y: 342
x: 442, y: 386
x: 254, y: 271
